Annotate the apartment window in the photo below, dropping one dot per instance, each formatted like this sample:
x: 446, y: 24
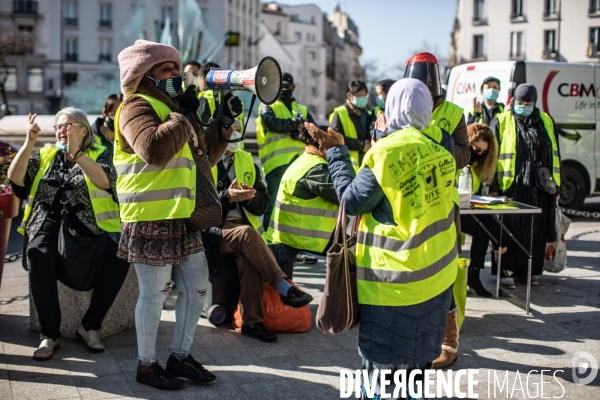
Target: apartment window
x: 10, y: 73
x: 594, y: 44
x: 312, y: 20
x: 299, y: 36
x: 70, y: 13
x: 478, y: 46
x: 312, y: 55
x: 516, y: 44
x: 278, y: 31
x: 478, y: 11
x: 105, y: 15
x: 313, y: 91
x: 308, y: 37
x: 549, y: 43
x: 517, y: 9
x: 313, y: 73
x: 35, y: 80
x: 70, y: 78
x: 71, y: 49
x: 594, y: 7
x: 26, y: 34
x: 550, y: 8
x: 105, y: 50
x: 167, y: 12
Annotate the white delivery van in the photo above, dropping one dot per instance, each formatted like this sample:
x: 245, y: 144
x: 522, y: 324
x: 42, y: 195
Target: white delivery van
x: 567, y: 92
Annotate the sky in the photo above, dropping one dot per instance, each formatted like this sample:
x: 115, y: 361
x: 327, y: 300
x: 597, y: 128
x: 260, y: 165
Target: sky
x: 391, y: 30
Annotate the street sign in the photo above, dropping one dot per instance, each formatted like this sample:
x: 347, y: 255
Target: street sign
x: 233, y: 39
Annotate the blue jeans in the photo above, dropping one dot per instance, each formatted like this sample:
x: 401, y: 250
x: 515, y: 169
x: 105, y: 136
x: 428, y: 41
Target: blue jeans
x: 191, y: 279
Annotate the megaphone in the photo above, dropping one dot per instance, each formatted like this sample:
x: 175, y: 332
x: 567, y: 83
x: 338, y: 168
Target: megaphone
x: 264, y: 80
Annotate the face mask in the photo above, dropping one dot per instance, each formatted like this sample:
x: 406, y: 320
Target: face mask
x: 380, y: 101
x: 360, y: 101
x: 523, y: 110
x: 491, y: 94
x: 171, y: 86
x: 60, y: 146
x: 474, y: 157
x: 110, y: 123
x: 286, y: 95
x: 233, y: 147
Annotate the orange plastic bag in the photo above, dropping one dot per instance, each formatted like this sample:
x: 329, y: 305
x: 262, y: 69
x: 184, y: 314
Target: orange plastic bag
x: 277, y: 317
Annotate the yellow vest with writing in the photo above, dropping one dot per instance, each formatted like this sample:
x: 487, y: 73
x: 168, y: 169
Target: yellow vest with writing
x: 299, y: 223
x: 106, y: 210
x: 277, y: 149
x: 507, y: 132
x: 417, y: 259
x: 244, y: 173
x: 154, y: 193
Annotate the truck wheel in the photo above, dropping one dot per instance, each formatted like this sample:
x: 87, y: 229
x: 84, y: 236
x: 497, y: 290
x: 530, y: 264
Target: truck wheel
x: 216, y: 315
x: 574, y: 190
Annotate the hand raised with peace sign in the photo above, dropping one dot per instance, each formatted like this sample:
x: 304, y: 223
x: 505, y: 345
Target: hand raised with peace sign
x: 33, y: 130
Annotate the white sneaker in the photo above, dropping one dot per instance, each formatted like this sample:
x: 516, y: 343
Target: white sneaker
x: 46, y: 349
x: 508, y: 282
x: 91, y: 339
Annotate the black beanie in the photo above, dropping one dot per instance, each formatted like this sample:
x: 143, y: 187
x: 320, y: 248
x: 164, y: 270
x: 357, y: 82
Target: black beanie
x: 526, y: 92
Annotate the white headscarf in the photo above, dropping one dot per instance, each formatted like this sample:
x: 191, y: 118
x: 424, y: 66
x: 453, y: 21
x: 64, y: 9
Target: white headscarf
x: 408, y: 103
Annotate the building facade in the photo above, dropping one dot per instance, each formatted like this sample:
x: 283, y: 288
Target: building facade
x: 72, y: 58
x: 534, y: 30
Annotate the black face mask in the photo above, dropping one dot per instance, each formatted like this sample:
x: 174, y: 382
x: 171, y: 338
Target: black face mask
x: 286, y: 95
x: 110, y: 123
x: 474, y: 157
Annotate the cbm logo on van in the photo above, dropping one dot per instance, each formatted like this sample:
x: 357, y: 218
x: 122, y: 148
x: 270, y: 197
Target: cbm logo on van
x: 576, y: 90
x: 466, y: 87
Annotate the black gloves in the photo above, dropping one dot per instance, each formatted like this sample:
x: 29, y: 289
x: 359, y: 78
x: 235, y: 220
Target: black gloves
x: 189, y: 101
x: 232, y: 107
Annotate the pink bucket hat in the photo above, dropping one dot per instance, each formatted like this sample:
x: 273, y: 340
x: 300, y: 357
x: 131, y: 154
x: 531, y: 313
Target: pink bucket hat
x: 136, y: 60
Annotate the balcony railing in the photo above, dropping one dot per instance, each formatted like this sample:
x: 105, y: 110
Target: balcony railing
x: 25, y: 7
x: 517, y: 16
x: 550, y: 14
x: 71, y: 21
x: 593, y: 50
x: 71, y: 57
x: 105, y: 23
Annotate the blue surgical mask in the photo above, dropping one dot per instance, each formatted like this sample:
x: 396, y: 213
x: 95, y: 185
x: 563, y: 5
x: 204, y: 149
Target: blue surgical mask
x: 523, y: 110
x: 60, y: 146
x: 491, y: 94
x: 360, y: 101
x: 380, y: 101
x: 171, y: 86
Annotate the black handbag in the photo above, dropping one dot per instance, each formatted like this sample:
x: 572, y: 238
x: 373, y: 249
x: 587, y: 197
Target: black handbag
x: 211, y: 239
x: 80, y: 257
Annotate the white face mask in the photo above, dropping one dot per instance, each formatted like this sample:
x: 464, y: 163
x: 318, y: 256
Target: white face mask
x: 233, y: 147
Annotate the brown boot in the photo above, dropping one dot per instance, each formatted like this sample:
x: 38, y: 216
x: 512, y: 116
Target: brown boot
x: 450, y: 345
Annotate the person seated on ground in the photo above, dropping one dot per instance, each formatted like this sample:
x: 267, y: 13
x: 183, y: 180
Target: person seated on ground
x: 243, y: 197
x: 104, y: 127
x: 306, y: 207
x: 77, y: 177
x: 484, y: 154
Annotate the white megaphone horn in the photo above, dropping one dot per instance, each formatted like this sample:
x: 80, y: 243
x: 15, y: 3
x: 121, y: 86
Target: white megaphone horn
x: 264, y: 80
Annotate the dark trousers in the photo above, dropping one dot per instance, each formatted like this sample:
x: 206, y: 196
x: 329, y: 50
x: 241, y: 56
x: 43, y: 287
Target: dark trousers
x: 43, y: 256
x: 273, y: 179
x: 481, y: 239
x: 256, y: 264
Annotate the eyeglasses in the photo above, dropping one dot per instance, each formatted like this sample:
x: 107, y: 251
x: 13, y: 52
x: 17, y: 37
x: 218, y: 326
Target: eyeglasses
x: 68, y: 125
x: 478, y: 150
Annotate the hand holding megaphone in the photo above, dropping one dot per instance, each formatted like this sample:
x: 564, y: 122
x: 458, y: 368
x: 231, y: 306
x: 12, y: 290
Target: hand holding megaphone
x: 232, y: 107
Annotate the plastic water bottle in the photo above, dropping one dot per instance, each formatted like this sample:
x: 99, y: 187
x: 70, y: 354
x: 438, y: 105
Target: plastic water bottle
x: 464, y: 180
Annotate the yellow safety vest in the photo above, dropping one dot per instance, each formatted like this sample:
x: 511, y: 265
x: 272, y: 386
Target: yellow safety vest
x: 415, y: 260
x: 349, y: 131
x: 106, y: 210
x: 507, y: 132
x: 154, y: 193
x: 475, y: 182
x: 447, y: 116
x: 301, y: 224
x: 500, y: 110
x: 277, y: 149
x: 245, y: 173
x: 210, y: 99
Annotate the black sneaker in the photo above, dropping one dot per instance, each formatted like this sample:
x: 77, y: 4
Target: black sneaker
x: 296, y: 298
x: 189, y: 368
x: 157, y: 377
x: 259, y: 332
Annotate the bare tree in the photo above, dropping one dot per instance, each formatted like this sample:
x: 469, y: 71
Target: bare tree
x: 11, y: 44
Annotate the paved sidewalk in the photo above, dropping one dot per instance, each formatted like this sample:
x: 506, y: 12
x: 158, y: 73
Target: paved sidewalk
x: 496, y: 337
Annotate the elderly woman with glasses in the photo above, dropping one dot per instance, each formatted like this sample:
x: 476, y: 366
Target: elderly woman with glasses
x: 528, y: 157
x: 74, y: 177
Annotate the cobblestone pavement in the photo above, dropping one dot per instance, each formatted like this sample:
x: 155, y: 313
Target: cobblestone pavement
x: 496, y: 337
